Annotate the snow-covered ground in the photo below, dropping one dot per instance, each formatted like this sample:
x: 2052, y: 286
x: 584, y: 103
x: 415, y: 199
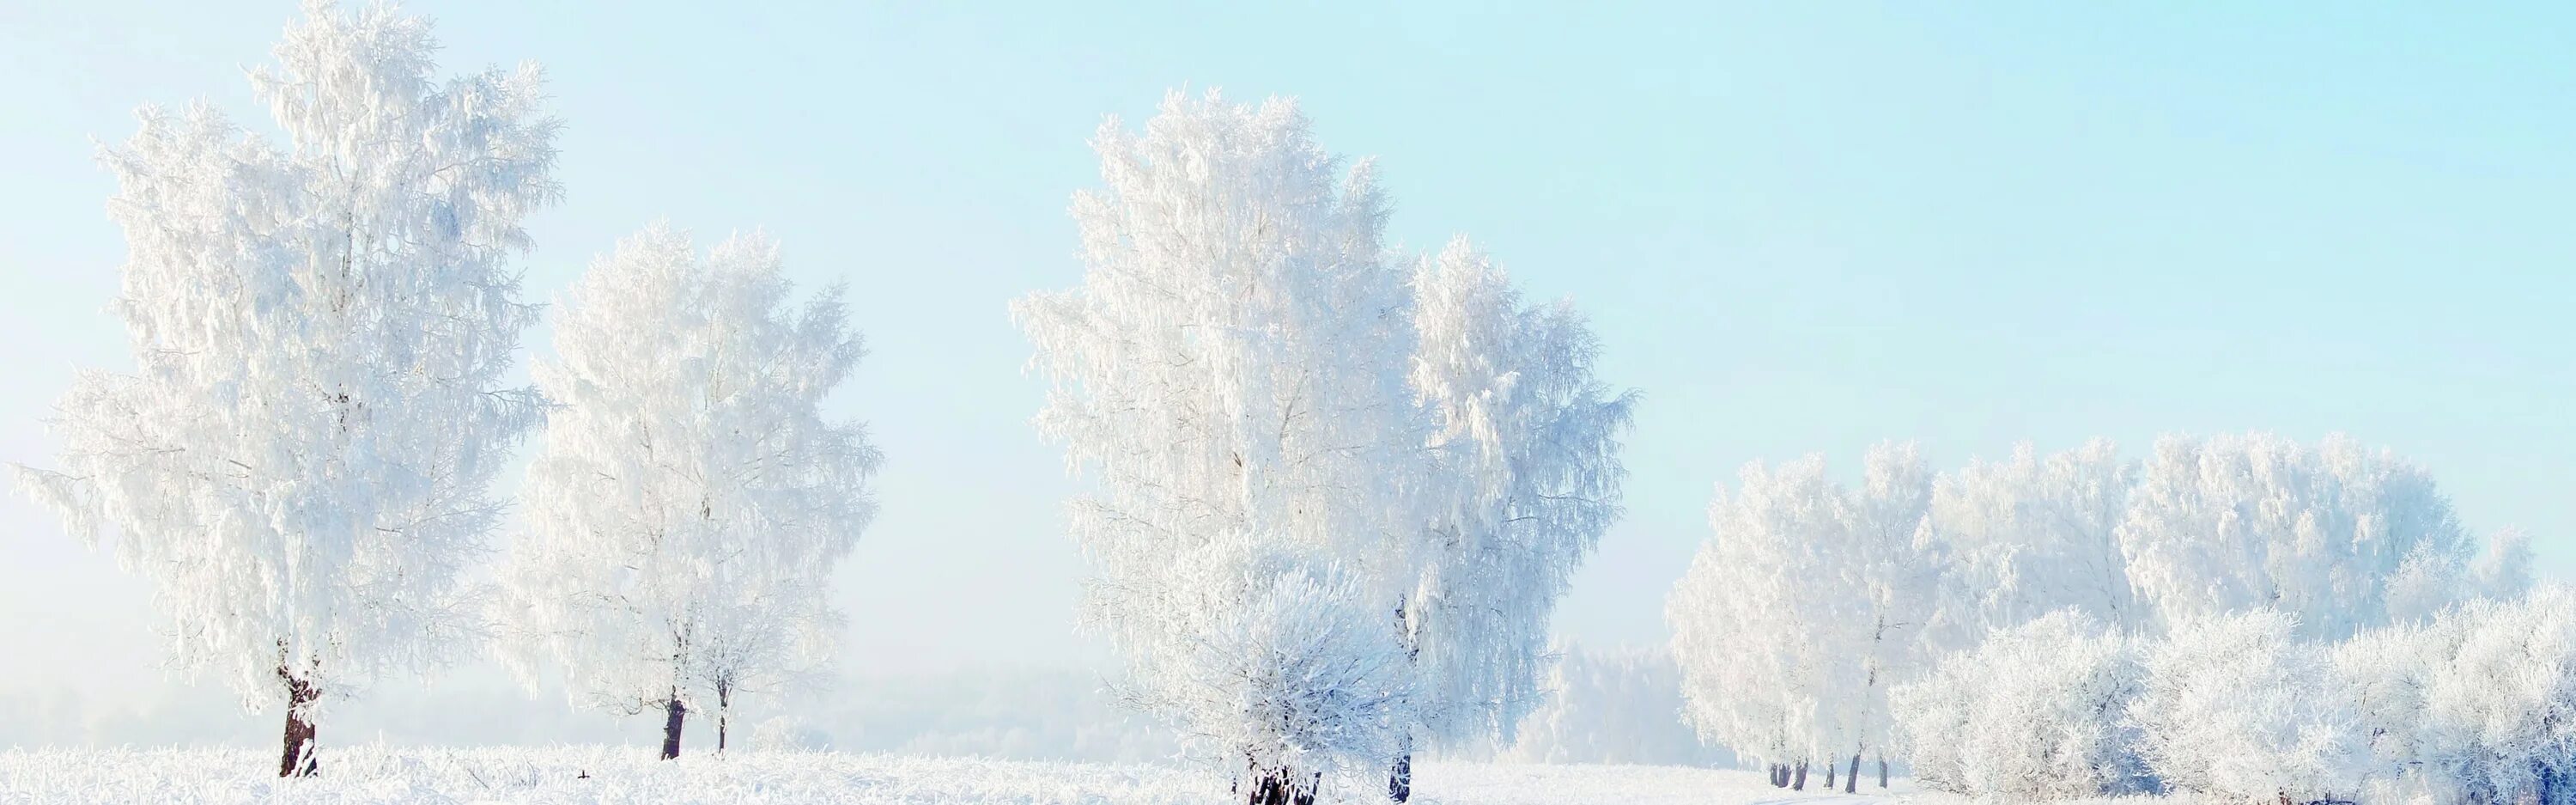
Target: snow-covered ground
x: 418, y: 776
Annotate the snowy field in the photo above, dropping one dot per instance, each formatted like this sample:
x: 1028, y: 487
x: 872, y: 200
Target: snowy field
x: 408, y: 776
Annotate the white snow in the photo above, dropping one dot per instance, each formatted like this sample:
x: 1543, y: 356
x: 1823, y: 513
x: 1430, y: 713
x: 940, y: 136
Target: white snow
x: 630, y: 774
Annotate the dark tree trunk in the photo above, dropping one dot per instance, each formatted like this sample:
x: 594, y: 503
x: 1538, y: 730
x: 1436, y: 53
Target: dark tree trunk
x: 1779, y: 775
x: 1882, y: 771
x: 1851, y: 782
x: 1276, y: 787
x: 1399, y: 783
x: 1829, y: 776
x: 724, y: 714
x: 1798, y: 780
x: 300, y: 694
x: 679, y: 713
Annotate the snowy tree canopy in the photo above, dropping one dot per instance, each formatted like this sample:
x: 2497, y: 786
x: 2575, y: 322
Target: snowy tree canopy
x: 2028, y: 536
x: 1249, y: 378
x: 1753, y: 677
x: 1525, y: 443
x: 299, y: 460
x: 2341, y: 536
x: 1828, y: 581
x: 1886, y: 586
x: 1231, y: 373
x: 690, y: 499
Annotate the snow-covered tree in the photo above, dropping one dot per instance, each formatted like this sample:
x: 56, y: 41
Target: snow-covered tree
x: 2035, y: 712
x: 1232, y: 375
x: 2340, y: 536
x: 1887, y: 587
x: 2499, y: 703
x: 300, y: 459
x: 1805, y: 605
x: 690, y: 498
x: 1754, y: 677
x: 2027, y: 536
x: 2234, y: 707
x: 1243, y: 363
x: 1526, y: 477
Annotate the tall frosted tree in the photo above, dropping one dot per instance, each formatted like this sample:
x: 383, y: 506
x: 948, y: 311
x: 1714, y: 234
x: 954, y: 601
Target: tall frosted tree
x: 1806, y: 604
x: 299, y: 460
x: 1525, y: 478
x: 1755, y: 676
x: 690, y: 498
x: 1231, y: 375
x: 1886, y: 585
x: 1273, y: 412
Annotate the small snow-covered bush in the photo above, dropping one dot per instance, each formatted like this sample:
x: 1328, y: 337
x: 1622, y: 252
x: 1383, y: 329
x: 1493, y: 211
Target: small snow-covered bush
x: 2478, y: 706
x: 2499, y: 706
x: 1268, y: 664
x: 2383, y: 674
x: 2236, y: 708
x: 2036, y: 712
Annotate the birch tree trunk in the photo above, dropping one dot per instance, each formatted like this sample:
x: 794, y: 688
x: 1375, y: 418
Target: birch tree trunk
x: 679, y: 714
x: 300, y: 695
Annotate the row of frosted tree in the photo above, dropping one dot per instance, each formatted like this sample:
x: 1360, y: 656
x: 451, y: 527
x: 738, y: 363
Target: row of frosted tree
x: 1336, y: 491
x: 301, y: 458
x: 1333, y: 491
x: 2241, y: 617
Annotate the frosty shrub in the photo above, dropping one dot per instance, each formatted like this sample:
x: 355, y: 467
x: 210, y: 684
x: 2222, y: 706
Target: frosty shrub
x: 2473, y: 707
x: 2499, y: 711
x: 2037, y: 711
x: 1270, y: 660
x: 2384, y: 673
x: 2236, y: 708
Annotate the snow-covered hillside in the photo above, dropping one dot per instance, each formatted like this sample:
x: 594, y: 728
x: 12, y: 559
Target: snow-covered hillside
x: 406, y: 776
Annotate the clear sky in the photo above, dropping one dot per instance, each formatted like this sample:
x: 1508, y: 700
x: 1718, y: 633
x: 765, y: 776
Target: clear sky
x: 1798, y: 227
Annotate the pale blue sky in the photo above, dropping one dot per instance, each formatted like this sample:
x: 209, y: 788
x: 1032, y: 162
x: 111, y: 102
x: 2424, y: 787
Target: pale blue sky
x: 1798, y: 227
